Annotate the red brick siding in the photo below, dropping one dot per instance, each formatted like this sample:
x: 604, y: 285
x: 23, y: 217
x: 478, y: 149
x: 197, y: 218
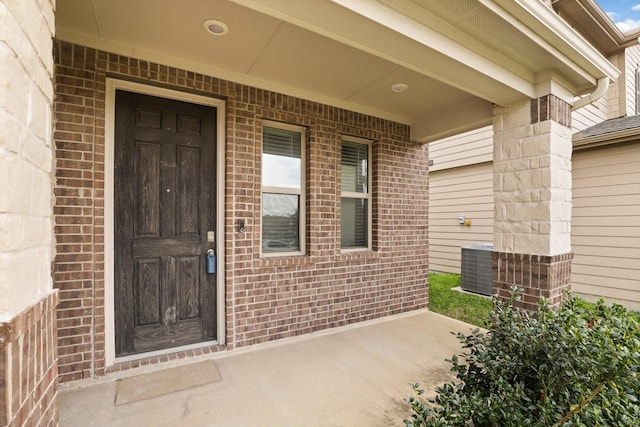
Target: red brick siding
x: 28, y: 367
x: 550, y: 107
x: 266, y: 298
x: 538, y: 276
x: 78, y: 211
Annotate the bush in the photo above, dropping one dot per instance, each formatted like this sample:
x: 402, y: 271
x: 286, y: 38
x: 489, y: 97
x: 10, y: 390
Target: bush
x: 573, y: 367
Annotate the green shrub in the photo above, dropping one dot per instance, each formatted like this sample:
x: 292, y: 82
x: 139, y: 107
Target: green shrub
x: 573, y: 367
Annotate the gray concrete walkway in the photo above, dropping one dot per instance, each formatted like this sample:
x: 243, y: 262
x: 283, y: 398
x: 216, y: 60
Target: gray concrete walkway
x: 352, y: 376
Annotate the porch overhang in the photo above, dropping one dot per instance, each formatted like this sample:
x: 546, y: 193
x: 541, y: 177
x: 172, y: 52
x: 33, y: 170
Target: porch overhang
x: 457, y: 58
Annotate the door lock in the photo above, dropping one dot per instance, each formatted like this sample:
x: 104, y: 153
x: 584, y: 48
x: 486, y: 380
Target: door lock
x: 211, y: 261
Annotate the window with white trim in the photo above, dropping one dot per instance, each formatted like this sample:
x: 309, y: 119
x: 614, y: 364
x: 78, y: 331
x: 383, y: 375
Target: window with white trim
x: 356, y: 194
x: 282, y: 189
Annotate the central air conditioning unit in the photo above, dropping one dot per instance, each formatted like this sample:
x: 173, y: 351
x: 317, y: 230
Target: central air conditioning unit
x: 477, y: 268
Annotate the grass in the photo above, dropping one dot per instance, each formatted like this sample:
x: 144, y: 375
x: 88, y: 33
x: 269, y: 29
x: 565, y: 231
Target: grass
x: 473, y: 309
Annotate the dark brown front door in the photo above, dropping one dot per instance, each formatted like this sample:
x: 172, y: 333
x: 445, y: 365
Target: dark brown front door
x: 164, y: 216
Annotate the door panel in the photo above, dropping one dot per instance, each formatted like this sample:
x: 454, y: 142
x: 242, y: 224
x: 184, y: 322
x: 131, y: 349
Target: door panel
x: 188, y: 289
x: 164, y: 206
x: 187, y: 191
x: 146, y: 174
x: 148, y: 281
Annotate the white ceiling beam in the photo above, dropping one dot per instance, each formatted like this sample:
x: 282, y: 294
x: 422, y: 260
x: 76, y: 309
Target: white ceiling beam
x: 375, y: 28
x: 437, y: 49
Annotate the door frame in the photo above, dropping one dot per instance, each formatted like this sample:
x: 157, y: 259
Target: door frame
x: 112, y: 85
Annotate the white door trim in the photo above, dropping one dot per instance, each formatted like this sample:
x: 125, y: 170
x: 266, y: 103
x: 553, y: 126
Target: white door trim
x: 109, y: 299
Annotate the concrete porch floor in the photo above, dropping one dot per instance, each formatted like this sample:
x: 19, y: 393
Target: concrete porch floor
x: 351, y: 376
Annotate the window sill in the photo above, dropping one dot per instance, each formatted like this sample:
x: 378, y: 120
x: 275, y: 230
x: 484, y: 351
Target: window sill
x: 270, y: 255
x: 357, y: 253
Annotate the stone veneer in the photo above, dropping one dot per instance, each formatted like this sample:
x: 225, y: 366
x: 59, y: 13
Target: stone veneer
x: 532, y: 189
x: 266, y: 298
x: 28, y: 366
x: 532, y: 177
x: 28, y: 350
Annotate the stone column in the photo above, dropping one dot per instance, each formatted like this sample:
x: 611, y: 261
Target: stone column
x: 28, y: 339
x: 532, y: 189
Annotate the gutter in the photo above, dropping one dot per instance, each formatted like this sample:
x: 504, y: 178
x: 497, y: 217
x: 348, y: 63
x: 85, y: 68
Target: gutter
x: 601, y: 89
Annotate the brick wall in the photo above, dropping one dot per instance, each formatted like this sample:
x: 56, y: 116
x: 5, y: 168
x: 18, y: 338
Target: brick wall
x: 266, y: 298
x: 537, y: 276
x: 79, y: 271
x: 28, y: 369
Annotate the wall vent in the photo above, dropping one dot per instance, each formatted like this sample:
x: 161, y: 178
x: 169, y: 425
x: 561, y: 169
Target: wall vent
x: 477, y: 268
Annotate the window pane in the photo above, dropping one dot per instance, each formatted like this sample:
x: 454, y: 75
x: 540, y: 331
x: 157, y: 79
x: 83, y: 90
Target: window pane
x: 280, y: 219
x: 282, y: 159
x: 354, y: 223
x: 279, y: 171
x: 354, y: 167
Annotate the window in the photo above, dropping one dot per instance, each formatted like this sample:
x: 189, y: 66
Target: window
x: 356, y: 194
x: 282, y: 184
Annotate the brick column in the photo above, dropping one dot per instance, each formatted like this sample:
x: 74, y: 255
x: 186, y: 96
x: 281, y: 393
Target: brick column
x: 532, y: 189
x: 29, y: 366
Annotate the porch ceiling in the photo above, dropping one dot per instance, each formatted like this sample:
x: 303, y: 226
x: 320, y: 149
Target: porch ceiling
x: 457, y: 58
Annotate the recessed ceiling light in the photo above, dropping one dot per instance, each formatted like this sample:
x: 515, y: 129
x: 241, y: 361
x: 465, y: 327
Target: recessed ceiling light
x: 215, y: 27
x: 399, y: 87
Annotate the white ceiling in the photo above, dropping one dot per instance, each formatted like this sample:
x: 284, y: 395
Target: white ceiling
x: 456, y: 57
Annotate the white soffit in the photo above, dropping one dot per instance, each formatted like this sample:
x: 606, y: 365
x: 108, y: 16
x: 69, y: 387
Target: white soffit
x: 375, y: 28
x: 311, y: 66
x: 456, y: 57
x: 259, y: 50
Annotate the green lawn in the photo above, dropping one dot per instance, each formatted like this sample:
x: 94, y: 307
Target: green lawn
x: 470, y: 308
x: 467, y: 307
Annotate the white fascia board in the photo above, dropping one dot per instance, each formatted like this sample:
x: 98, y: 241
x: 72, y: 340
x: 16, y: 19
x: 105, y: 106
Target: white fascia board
x: 391, y: 31
x: 398, y: 16
x: 543, y: 25
x: 532, y: 18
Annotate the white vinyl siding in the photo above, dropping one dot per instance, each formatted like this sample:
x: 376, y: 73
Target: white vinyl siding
x: 589, y: 115
x: 467, y: 148
x: 464, y: 191
x: 606, y: 199
x: 476, y: 146
x: 606, y: 222
x: 632, y: 62
x: 615, y: 96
